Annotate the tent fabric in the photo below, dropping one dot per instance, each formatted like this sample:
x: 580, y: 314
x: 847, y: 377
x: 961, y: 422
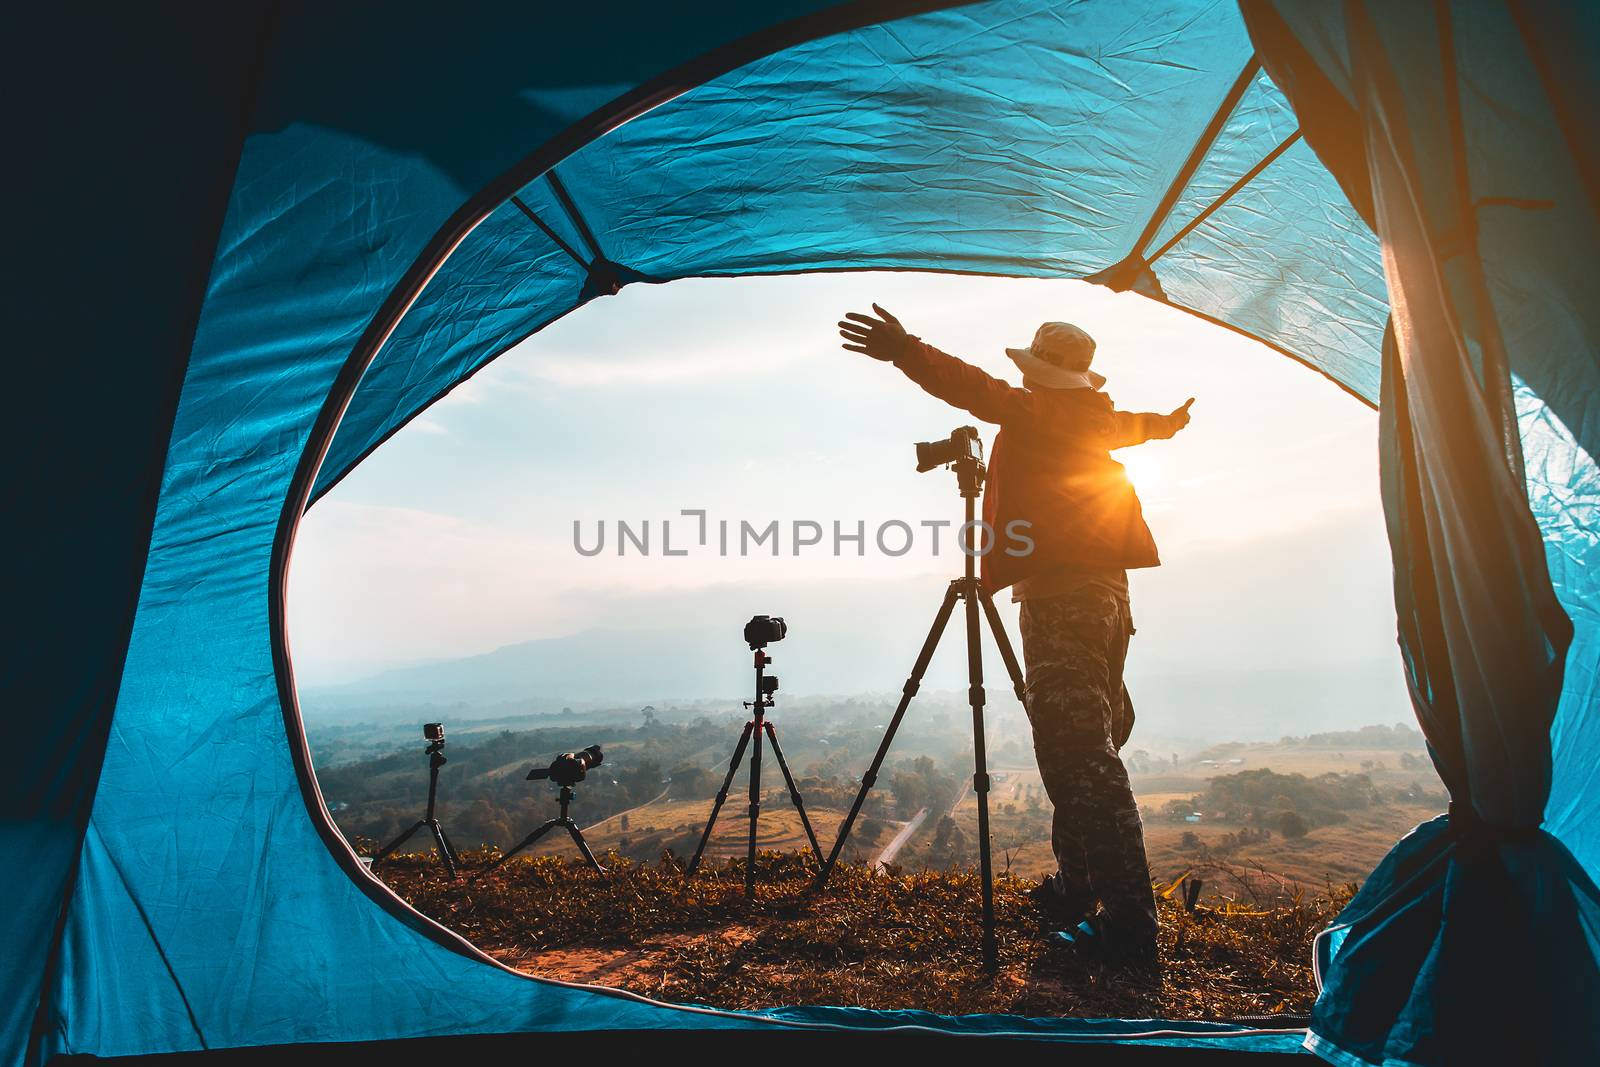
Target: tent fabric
x: 1033, y: 149
x: 370, y: 256
x: 1483, y: 894
x: 92, y: 371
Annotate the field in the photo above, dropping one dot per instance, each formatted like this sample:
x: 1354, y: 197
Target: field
x: 1231, y: 862
x: 677, y: 824
x: 1232, y: 855
x: 1278, y: 835
x: 1331, y: 855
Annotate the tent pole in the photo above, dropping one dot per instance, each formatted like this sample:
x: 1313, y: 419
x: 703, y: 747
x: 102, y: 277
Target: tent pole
x: 1198, y: 153
x: 555, y: 238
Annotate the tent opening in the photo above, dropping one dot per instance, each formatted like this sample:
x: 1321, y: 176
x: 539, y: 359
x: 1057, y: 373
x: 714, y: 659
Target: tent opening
x: 563, y: 551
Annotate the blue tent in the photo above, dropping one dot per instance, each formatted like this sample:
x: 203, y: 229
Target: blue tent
x: 255, y: 240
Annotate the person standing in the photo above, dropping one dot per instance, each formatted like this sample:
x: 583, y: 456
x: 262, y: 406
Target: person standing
x: 1051, y: 471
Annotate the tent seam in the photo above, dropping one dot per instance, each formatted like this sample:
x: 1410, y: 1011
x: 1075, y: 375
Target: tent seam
x: 155, y: 941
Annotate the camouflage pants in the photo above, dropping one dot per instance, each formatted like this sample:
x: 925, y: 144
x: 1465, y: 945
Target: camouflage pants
x: 1074, y: 646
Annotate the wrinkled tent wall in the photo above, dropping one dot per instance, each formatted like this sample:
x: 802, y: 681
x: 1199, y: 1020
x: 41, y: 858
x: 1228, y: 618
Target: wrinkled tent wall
x: 208, y: 911
x: 110, y: 275
x: 1479, y: 195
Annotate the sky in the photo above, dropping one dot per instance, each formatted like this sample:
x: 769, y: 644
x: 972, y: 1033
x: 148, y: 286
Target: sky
x: 732, y: 396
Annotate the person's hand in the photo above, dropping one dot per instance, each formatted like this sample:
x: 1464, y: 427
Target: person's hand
x: 881, y: 338
x: 1180, y: 416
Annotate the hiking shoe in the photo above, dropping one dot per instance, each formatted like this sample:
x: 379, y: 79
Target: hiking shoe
x: 1089, y: 942
x: 1082, y: 939
x: 1056, y: 908
x: 1134, y: 958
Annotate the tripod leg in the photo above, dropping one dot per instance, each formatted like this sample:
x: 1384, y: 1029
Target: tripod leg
x: 455, y: 857
x: 583, y: 846
x: 1003, y: 642
x: 397, y: 842
x: 980, y: 774
x: 755, y: 815
x: 722, y: 796
x: 446, y: 857
x: 794, y: 794
x: 526, y: 842
x: 913, y: 683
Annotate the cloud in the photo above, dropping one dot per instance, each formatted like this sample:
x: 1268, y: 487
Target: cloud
x: 660, y: 367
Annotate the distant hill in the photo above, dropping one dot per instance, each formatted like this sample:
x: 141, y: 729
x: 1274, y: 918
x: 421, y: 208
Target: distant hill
x: 695, y: 663
x: 584, y: 667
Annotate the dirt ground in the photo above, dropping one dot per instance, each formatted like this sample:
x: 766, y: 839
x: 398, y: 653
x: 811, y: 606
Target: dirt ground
x: 880, y: 940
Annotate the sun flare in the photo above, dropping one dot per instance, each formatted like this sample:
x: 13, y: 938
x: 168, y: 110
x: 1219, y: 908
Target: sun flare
x: 1146, y: 471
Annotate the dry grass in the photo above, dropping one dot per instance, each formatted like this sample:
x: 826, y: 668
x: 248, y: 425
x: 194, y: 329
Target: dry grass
x: 895, y: 940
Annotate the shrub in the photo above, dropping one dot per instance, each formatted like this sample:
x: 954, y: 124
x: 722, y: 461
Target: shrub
x: 1290, y: 824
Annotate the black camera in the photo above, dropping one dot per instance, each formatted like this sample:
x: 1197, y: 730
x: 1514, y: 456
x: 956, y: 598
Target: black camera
x: 433, y: 731
x: 963, y: 445
x: 769, y: 684
x: 762, y: 630
x: 569, y: 768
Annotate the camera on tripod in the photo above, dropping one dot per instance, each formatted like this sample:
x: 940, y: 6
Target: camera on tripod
x: 963, y: 445
x: 569, y: 768
x: 433, y: 733
x: 962, y: 451
x: 759, y: 632
x: 763, y: 630
x: 566, y: 770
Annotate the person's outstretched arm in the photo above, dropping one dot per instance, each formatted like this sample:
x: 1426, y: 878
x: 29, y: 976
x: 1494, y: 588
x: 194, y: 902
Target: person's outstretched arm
x: 1137, y: 427
x: 940, y: 374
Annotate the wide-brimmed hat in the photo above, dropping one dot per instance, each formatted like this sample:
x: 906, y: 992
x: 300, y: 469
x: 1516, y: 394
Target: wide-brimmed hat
x: 1058, y: 358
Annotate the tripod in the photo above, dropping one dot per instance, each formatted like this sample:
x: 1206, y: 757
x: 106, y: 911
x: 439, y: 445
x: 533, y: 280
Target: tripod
x: 755, y: 727
x: 969, y: 477
x: 447, y: 855
x: 564, y: 820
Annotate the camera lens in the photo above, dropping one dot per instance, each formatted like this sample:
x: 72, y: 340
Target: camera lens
x: 963, y: 443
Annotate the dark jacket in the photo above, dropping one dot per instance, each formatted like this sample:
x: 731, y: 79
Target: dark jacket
x: 1051, y: 466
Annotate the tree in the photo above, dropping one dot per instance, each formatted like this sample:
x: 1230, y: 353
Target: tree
x: 694, y: 783
x: 910, y: 793
x: 949, y: 844
x: 1291, y: 825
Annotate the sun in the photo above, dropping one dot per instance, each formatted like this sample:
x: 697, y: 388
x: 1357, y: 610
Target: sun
x: 1146, y: 471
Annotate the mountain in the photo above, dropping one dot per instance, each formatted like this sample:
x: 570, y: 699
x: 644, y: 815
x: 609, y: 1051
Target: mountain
x: 598, y: 665
x: 1194, y: 702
